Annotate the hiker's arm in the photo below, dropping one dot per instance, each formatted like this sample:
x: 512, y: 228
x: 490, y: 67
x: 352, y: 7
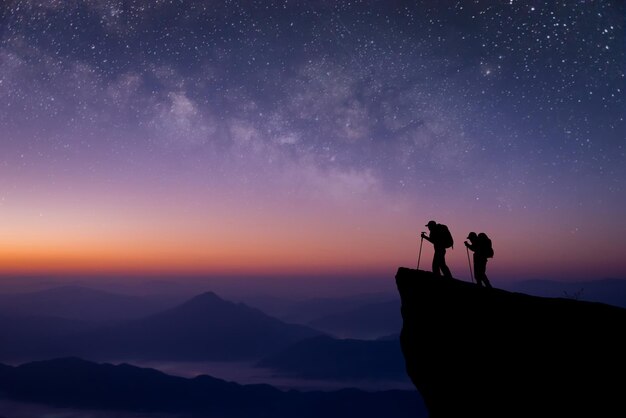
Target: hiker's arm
x: 426, y: 237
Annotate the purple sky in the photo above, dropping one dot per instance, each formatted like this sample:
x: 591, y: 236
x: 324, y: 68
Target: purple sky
x: 310, y: 137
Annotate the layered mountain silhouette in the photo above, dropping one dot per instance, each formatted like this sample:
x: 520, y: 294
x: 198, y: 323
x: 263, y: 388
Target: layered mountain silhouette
x: 78, y: 303
x: 26, y: 337
x: 204, y: 328
x: 369, y: 321
x: 324, y: 357
x: 470, y: 351
x: 306, y: 311
x: 72, y: 382
x: 473, y: 351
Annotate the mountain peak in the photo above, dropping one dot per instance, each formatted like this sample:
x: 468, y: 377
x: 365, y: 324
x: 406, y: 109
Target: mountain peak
x: 69, y: 362
x: 206, y: 297
x: 205, y: 327
x: 473, y: 351
x: 204, y: 303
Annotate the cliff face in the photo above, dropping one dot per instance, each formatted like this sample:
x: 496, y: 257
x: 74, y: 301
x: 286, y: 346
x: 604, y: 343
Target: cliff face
x: 472, y: 351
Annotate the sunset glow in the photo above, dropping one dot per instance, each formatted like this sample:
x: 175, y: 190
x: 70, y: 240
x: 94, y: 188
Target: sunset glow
x: 319, y: 140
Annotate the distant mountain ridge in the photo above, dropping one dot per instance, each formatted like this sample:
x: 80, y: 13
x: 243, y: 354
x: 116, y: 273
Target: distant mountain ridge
x: 304, y: 311
x: 28, y: 337
x: 73, y: 382
x: 368, y: 321
x: 324, y: 357
x: 78, y: 303
x: 203, y: 328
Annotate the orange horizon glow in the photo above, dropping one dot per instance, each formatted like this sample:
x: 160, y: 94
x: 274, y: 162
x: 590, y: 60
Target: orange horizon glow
x: 238, y: 145
x: 95, y: 232
x: 267, y: 246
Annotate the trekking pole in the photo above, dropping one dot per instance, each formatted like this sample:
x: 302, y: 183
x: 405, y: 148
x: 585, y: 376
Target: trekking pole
x: 470, y: 265
x: 420, y: 253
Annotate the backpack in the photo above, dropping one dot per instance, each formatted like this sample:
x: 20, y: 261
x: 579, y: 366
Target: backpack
x: 486, y: 245
x: 445, y: 236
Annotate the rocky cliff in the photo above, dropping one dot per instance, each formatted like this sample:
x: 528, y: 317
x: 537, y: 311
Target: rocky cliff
x: 472, y: 351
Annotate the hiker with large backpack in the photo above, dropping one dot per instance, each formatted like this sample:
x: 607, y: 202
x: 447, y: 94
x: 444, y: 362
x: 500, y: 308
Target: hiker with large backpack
x: 441, y: 239
x: 481, y: 246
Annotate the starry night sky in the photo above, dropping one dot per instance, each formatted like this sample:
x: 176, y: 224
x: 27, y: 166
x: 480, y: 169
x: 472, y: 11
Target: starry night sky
x: 281, y: 137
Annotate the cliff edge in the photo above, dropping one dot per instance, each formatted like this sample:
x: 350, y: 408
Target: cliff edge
x: 472, y: 351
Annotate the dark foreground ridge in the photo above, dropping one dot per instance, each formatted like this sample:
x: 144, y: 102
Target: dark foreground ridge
x: 75, y: 383
x: 473, y: 351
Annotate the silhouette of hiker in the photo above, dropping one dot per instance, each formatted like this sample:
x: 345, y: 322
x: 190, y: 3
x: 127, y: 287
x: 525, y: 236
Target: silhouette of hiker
x: 481, y: 246
x: 441, y: 239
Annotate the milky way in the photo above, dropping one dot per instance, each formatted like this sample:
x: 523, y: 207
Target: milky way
x: 211, y: 122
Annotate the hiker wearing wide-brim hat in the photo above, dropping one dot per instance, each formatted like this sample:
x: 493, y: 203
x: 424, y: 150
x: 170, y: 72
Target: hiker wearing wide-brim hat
x: 441, y: 239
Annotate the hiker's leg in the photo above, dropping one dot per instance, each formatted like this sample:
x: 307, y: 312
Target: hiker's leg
x: 475, y: 271
x: 442, y: 264
x: 436, y: 265
x: 479, y: 270
x: 485, y: 278
x: 487, y: 284
x: 446, y: 270
x: 439, y: 262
